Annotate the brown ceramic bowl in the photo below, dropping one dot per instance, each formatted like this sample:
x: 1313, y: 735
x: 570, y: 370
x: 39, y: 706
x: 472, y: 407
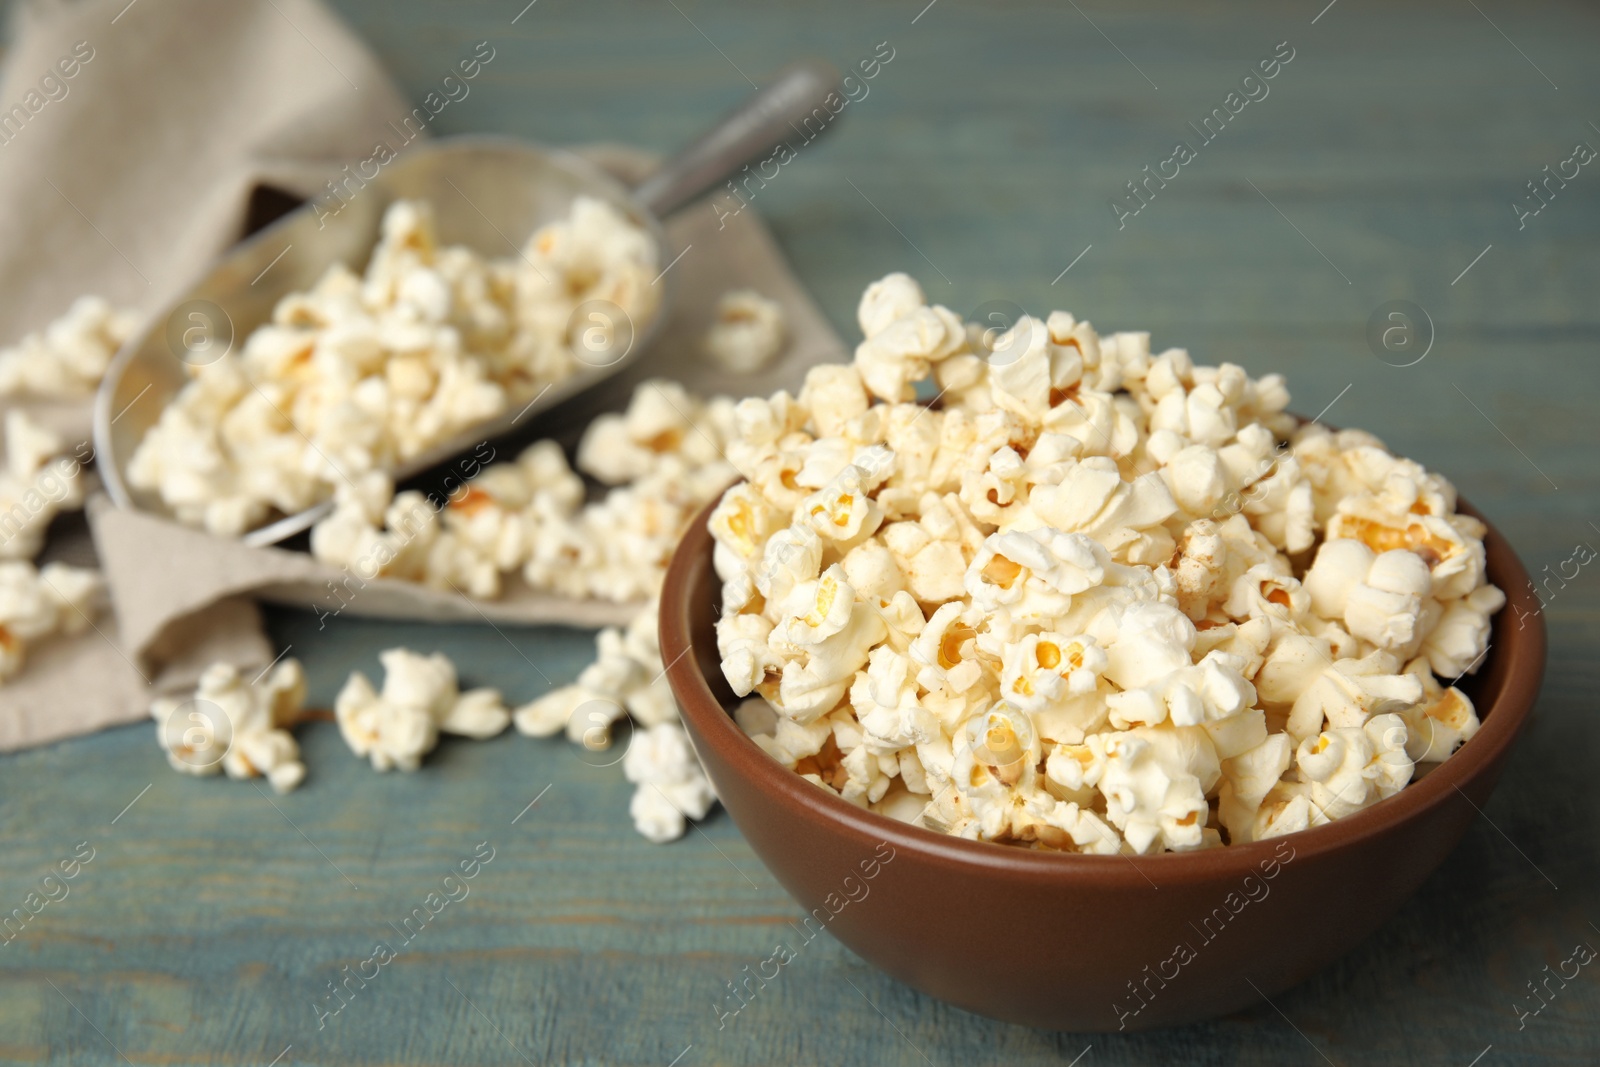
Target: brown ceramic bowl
x: 1077, y: 942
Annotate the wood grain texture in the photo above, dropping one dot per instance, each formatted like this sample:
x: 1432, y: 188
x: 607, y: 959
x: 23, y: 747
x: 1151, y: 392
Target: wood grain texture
x: 1390, y: 149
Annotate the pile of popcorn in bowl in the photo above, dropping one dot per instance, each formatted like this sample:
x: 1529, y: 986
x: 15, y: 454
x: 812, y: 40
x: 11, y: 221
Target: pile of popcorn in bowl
x: 1090, y: 598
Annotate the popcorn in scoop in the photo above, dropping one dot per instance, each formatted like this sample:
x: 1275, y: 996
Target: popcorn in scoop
x: 364, y: 372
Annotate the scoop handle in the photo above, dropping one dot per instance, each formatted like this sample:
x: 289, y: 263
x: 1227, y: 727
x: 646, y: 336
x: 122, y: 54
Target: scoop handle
x: 792, y: 107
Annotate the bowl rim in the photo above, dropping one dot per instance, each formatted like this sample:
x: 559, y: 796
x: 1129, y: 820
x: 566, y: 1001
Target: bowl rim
x: 715, y: 728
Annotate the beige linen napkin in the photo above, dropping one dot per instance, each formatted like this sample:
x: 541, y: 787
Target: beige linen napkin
x: 133, y: 138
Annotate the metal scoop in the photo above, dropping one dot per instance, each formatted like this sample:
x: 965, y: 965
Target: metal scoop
x: 488, y: 193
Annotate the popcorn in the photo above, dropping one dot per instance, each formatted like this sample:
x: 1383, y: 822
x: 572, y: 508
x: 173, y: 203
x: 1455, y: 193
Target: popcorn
x: 659, y: 423
x: 841, y: 510
x: 1155, y: 784
x: 823, y: 638
x: 862, y: 777
x: 1046, y: 668
x: 1033, y: 574
x: 1349, y: 768
x: 664, y: 458
x: 885, y: 699
x: 1247, y: 780
x: 495, y: 525
x: 1451, y: 546
x: 1152, y: 641
x: 1089, y: 600
x: 903, y: 351
x: 888, y: 300
x: 396, y: 727
x: 834, y: 396
x: 36, y: 603
x: 528, y: 518
x: 1195, y: 476
x: 1029, y: 374
x: 748, y: 331
x: 1292, y: 663
x: 1350, y: 692
x: 1384, y: 599
x: 671, y: 786
x: 996, y: 752
x: 946, y: 651
x: 68, y: 357
x: 790, y: 742
x: 1286, y: 809
x: 372, y: 532
x: 628, y: 680
x: 247, y: 720
x: 38, y: 482
x: 1441, y: 721
x: 551, y: 713
x: 1124, y: 517
x: 1458, y: 641
x: 361, y: 374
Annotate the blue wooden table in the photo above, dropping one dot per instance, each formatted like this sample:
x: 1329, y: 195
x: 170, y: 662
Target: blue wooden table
x: 1380, y: 163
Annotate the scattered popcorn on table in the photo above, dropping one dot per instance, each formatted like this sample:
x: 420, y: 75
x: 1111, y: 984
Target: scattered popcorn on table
x: 626, y: 679
x: 662, y: 459
x: 35, y: 603
x: 39, y: 481
x: 419, y: 700
x: 234, y: 725
x: 748, y: 332
x: 1094, y: 600
x: 672, y: 789
x: 364, y: 372
x: 69, y: 357
x: 374, y: 532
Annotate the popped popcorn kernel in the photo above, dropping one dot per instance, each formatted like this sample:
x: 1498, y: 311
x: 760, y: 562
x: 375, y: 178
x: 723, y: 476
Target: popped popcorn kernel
x: 69, y: 356
x: 748, y: 332
x: 236, y: 725
x: 396, y: 726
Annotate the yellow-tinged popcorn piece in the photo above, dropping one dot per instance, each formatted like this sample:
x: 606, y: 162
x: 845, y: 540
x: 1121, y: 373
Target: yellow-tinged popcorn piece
x: 1441, y: 721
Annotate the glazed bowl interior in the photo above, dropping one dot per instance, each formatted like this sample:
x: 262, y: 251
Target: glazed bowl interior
x: 1089, y: 976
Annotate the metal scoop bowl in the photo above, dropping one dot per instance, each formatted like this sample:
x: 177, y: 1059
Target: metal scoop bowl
x: 488, y: 193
